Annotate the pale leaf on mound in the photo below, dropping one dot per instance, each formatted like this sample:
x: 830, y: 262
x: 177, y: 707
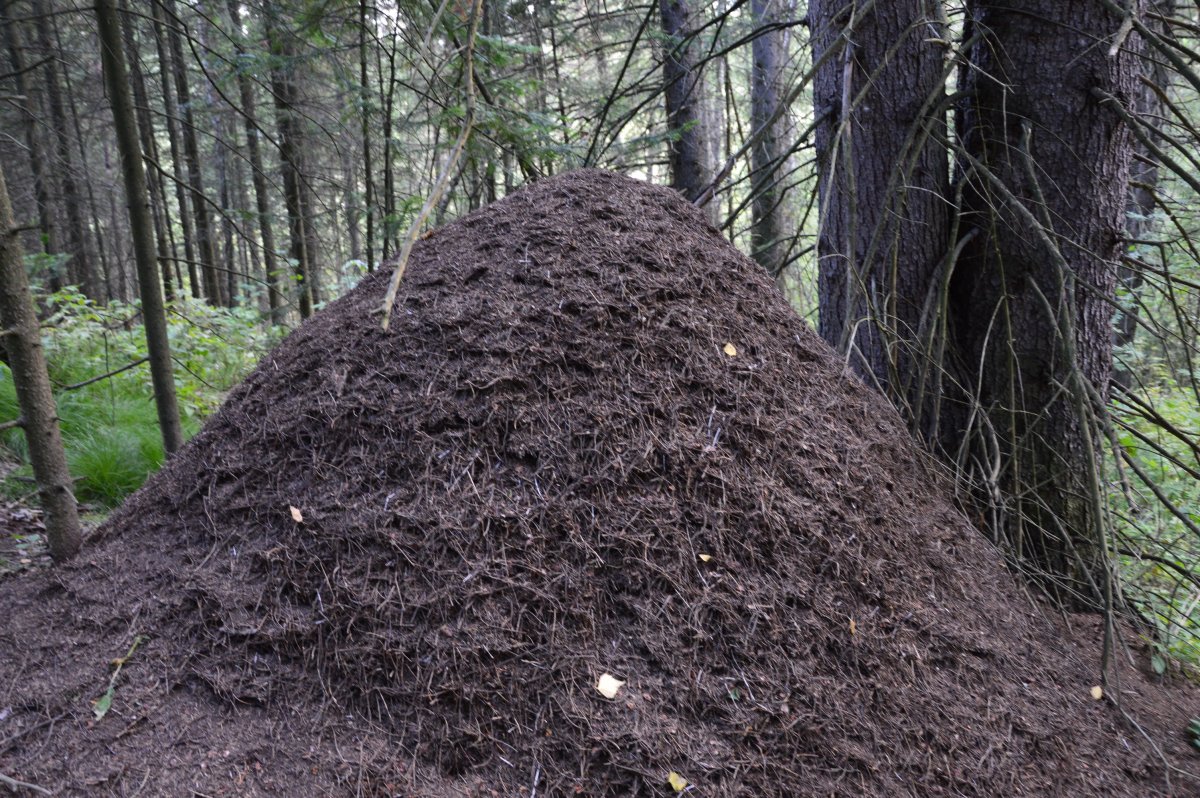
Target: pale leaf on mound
x: 608, y: 685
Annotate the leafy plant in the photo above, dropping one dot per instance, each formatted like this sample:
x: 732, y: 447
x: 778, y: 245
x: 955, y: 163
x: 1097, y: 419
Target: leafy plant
x: 110, y: 427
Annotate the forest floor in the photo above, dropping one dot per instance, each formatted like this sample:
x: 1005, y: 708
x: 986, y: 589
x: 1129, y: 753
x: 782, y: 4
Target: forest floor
x: 22, y: 538
x: 595, y: 444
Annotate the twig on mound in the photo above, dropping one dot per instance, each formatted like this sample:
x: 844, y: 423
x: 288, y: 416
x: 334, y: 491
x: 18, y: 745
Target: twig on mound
x: 16, y: 784
x: 435, y: 194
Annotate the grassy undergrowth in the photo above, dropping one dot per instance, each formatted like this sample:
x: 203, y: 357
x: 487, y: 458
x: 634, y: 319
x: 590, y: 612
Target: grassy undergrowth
x: 110, y: 427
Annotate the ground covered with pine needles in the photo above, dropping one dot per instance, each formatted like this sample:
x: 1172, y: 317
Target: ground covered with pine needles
x: 595, y: 440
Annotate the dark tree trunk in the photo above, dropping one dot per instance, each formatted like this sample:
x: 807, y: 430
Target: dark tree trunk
x: 112, y: 273
x: 365, y: 110
x: 391, y: 225
x: 225, y: 272
x: 691, y: 171
x: 262, y: 196
x: 81, y: 268
x: 1045, y: 175
x: 39, y: 416
x: 290, y: 153
x: 205, y: 242
x: 766, y: 207
x: 140, y: 225
x: 33, y: 140
x: 149, y: 148
x: 171, y: 113
x: 884, y: 187
x: 1144, y: 180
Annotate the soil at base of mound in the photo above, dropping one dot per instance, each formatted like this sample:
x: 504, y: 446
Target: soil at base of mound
x: 594, y: 440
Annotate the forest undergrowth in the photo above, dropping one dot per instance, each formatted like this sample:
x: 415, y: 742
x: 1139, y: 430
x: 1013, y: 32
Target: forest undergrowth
x: 109, y: 425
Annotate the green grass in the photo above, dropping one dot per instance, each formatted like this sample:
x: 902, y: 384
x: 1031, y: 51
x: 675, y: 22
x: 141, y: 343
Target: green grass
x: 110, y: 428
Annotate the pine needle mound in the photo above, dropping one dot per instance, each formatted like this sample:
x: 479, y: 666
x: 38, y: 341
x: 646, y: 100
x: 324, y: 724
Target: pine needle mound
x: 595, y: 441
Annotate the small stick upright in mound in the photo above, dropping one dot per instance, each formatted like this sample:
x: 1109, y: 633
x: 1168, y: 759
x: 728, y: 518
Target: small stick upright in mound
x: 435, y: 194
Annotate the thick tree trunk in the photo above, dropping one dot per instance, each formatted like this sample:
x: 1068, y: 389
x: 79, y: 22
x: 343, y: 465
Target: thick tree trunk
x: 884, y: 187
x: 691, y: 169
x: 766, y: 208
x: 1045, y: 174
x: 39, y: 416
x: 141, y: 227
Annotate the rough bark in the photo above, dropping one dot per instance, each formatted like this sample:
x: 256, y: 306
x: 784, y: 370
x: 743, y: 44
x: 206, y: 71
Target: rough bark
x: 39, y: 415
x: 154, y: 318
x: 766, y: 208
x: 691, y: 169
x: 1046, y: 176
x: 884, y: 186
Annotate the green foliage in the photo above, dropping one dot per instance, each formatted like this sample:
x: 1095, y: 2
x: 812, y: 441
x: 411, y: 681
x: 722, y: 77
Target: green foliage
x: 110, y: 428
x: 1153, y: 494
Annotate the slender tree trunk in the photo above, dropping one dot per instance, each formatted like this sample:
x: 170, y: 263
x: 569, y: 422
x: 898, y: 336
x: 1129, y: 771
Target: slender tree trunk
x: 39, y: 415
x: 365, y: 111
x: 111, y: 272
x: 141, y: 227
x: 351, y: 206
x: 205, y: 242
x: 766, y: 158
x: 884, y: 187
x: 224, y: 272
x: 116, y: 231
x: 262, y: 196
x: 290, y: 154
x: 391, y: 226
x: 146, y: 137
x: 33, y: 140
x: 1045, y: 178
x: 1144, y: 184
x: 691, y: 171
x: 171, y: 112
x: 81, y: 268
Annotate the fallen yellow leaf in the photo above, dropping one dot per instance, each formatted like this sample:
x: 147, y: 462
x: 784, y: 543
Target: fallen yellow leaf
x: 678, y: 783
x: 297, y: 516
x: 853, y: 626
x: 608, y: 685
x: 1097, y: 692
x: 730, y: 350
x: 705, y: 557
